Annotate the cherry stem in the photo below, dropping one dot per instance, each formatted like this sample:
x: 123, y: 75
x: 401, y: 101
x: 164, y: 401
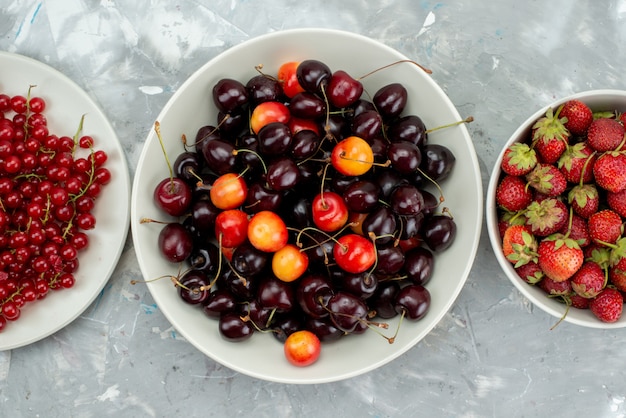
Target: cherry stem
x: 322, y: 186
x: 157, y: 130
x: 468, y: 119
x: 426, y: 70
x: 441, y: 196
x: 237, y: 151
x: 259, y: 69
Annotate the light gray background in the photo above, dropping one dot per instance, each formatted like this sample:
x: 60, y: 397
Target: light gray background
x: 491, y: 355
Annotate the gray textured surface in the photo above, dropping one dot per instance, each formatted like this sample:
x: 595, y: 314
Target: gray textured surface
x: 491, y: 355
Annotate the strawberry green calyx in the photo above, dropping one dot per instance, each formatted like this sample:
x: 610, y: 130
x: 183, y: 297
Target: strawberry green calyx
x: 601, y: 256
x: 547, y: 179
x: 550, y: 127
x: 524, y: 252
x: 519, y: 159
x: 546, y: 217
x: 582, y: 194
x: 618, y: 252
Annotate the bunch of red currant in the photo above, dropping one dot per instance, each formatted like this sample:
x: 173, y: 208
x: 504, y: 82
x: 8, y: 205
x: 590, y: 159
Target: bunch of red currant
x: 306, y: 206
x: 47, y: 196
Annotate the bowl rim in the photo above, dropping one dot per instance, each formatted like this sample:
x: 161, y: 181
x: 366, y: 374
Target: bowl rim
x: 552, y: 307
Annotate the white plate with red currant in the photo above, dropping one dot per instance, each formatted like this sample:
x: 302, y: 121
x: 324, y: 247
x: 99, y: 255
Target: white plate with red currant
x: 307, y: 206
x: 556, y: 208
x: 64, y: 200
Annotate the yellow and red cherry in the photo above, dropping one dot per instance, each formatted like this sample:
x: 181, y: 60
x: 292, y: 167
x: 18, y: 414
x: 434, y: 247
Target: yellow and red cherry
x: 267, y: 231
x: 268, y: 112
x: 352, y: 156
x: 354, y: 253
x: 229, y: 191
x: 289, y: 263
x: 288, y: 78
x: 329, y: 211
x: 231, y: 227
x: 302, y: 348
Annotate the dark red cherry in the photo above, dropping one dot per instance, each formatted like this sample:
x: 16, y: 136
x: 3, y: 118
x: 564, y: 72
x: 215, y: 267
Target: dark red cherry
x: 282, y: 174
x: 193, y: 287
x: 406, y: 200
x: 307, y: 105
x: 418, y: 265
x: 437, y: 161
x: 390, y: 100
x: 343, y: 90
x: 413, y: 300
x: 347, y: 311
x: 312, y: 294
x: 274, y: 139
x: 229, y: 95
x: 276, y: 294
x: 233, y: 328
x: 262, y: 88
x: 218, y: 302
x: 408, y: 128
x: 173, y: 196
x: 313, y: 75
x: 175, y: 242
x: 439, y: 232
x: 383, y: 302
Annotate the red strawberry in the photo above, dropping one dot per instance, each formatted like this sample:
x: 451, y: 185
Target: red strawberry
x: 546, y: 216
x: 578, y: 301
x: 608, y: 305
x: 559, y: 257
x: 584, y: 199
x: 507, y: 219
x: 512, y: 194
x: 617, y: 262
x: 555, y: 288
x: 605, y: 227
x: 617, y: 277
x: 576, y: 163
x: 579, y: 117
x: 550, y: 137
x: 547, y: 179
x: 609, y: 171
x: 519, y: 245
x: 589, y: 280
x: 617, y: 202
x: 530, y: 272
x: 519, y: 159
x: 577, y: 230
x: 605, y: 134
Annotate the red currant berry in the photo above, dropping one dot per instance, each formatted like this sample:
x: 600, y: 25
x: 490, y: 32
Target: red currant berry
x: 102, y: 176
x: 37, y: 104
x: 66, y: 280
x: 85, y: 141
x: 10, y: 311
x: 18, y: 104
x: 85, y: 221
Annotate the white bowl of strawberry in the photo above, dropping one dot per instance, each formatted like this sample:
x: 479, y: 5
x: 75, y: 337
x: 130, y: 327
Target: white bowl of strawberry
x: 556, y: 208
